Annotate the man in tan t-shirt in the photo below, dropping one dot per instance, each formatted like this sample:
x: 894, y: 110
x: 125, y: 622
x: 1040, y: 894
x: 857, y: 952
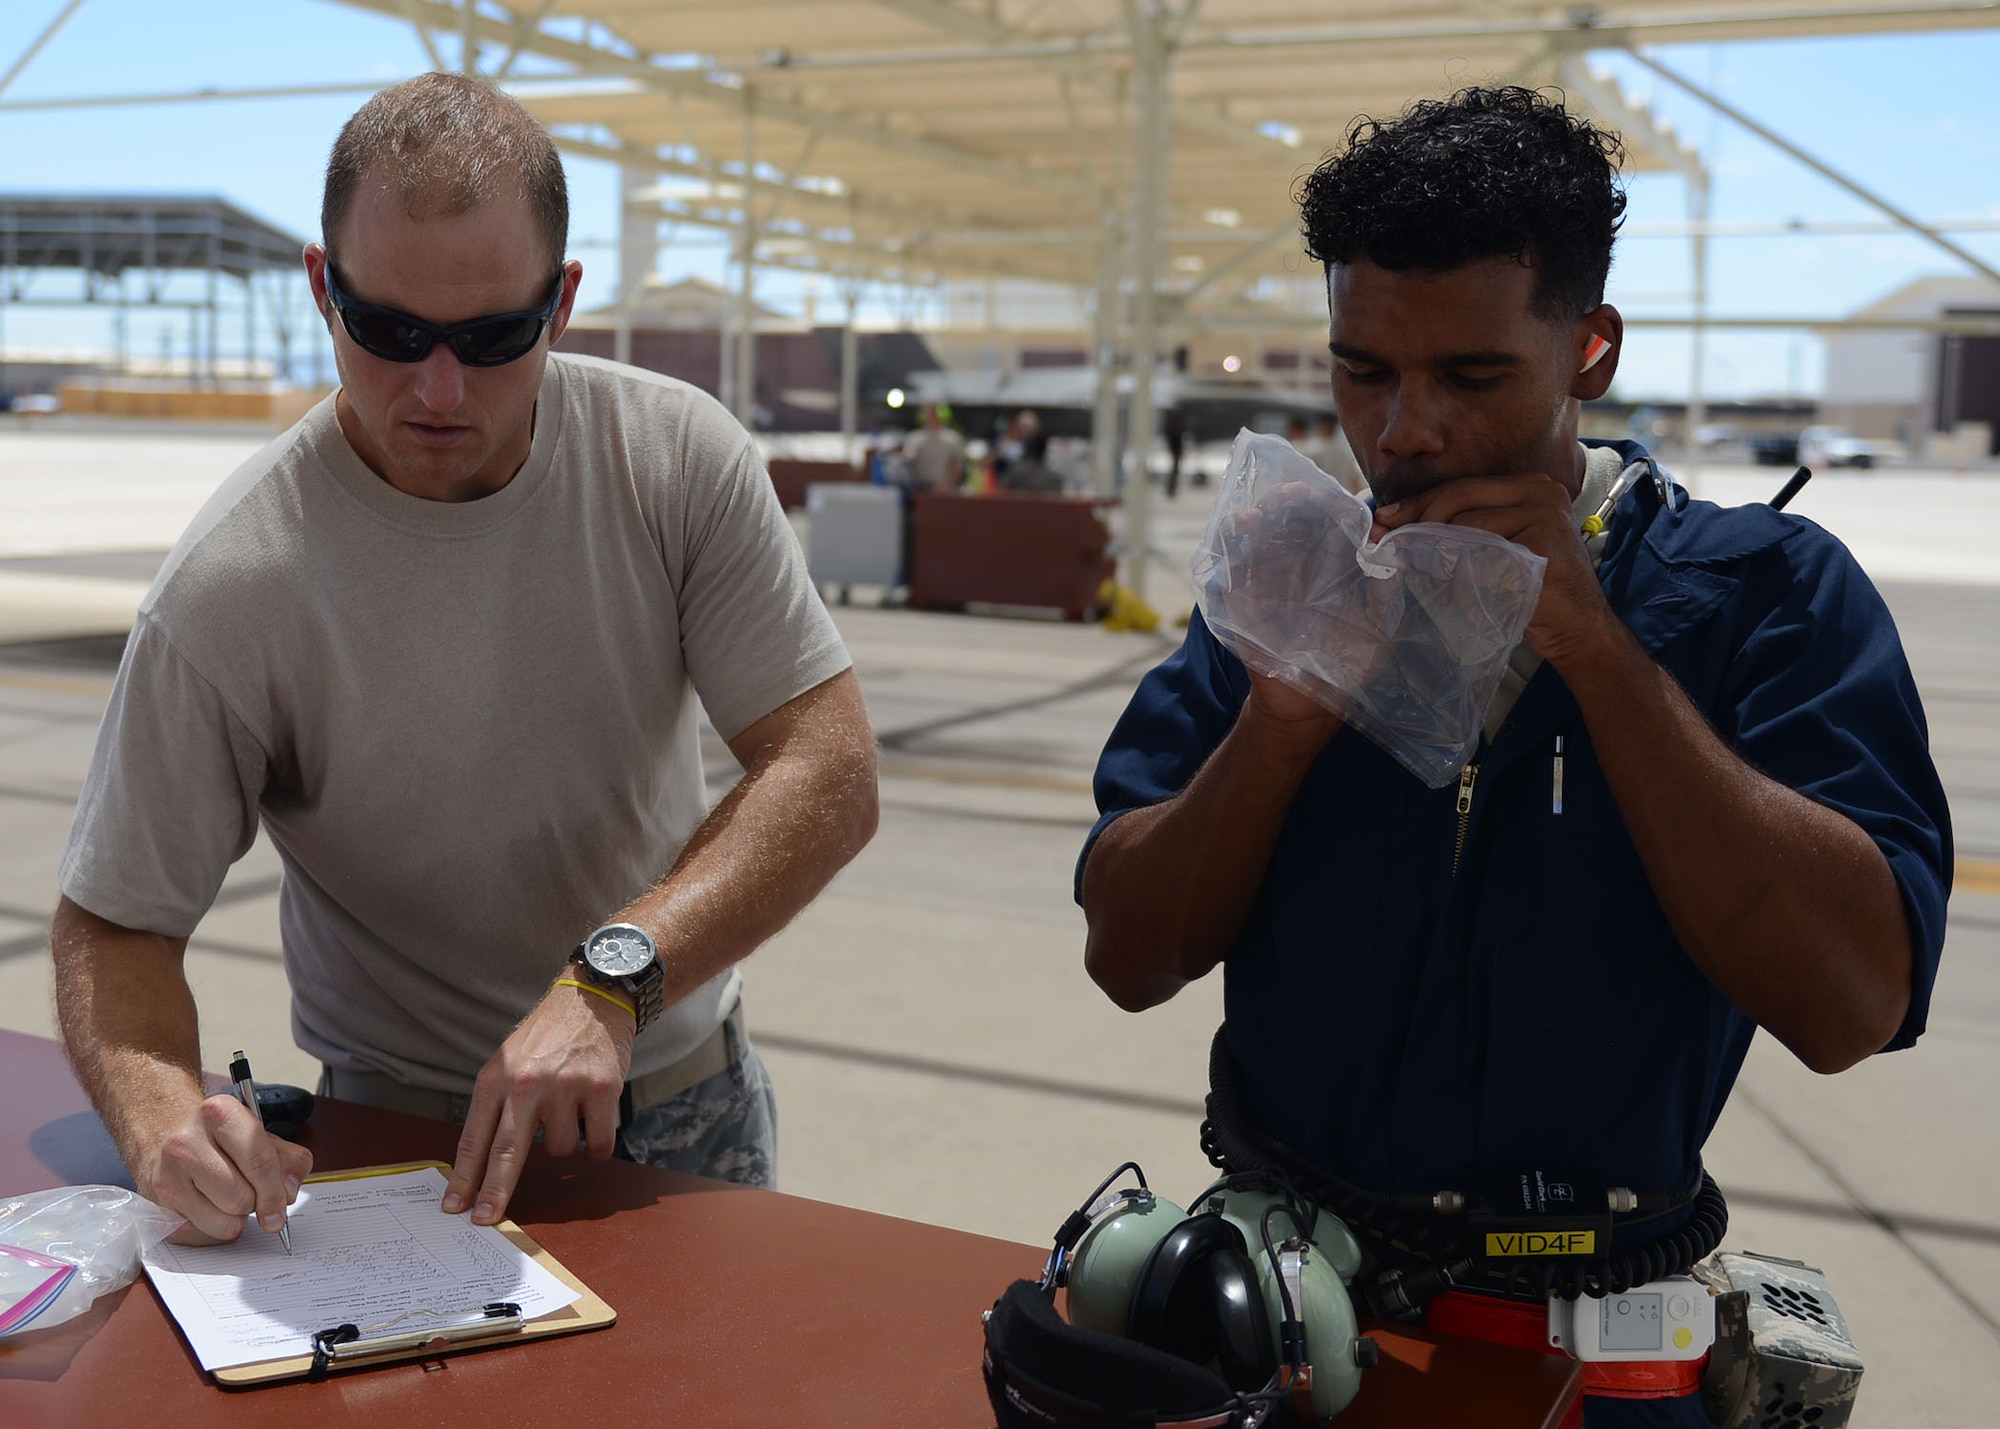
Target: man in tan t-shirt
x: 442, y: 642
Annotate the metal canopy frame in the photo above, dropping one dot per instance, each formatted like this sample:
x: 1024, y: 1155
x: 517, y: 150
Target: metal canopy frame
x: 1144, y: 151
x: 109, y: 238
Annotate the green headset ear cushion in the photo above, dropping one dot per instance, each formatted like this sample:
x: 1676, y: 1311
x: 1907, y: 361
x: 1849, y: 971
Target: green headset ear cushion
x: 1246, y: 1350
x: 1037, y: 1367
x: 1197, y: 1297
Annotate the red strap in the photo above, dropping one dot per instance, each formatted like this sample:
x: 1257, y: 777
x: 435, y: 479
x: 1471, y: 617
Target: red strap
x: 1643, y: 1379
x: 1524, y: 1325
x: 1519, y: 1324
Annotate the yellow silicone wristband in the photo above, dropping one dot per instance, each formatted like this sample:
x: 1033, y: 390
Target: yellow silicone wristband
x: 610, y: 997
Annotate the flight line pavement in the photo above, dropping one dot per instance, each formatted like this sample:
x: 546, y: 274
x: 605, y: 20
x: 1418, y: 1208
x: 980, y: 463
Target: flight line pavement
x: 938, y: 1051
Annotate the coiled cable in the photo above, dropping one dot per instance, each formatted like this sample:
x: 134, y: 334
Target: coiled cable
x: 1408, y: 1225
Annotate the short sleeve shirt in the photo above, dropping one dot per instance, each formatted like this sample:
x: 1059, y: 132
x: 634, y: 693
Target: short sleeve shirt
x: 1416, y: 994
x: 470, y: 729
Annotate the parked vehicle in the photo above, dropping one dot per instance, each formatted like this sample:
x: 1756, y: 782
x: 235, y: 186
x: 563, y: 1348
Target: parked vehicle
x: 1833, y: 446
x: 1775, y: 448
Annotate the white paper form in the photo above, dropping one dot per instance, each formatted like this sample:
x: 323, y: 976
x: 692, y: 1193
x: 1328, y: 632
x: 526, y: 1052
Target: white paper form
x: 364, y: 1251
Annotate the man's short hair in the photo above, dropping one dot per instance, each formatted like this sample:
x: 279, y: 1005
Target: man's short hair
x: 448, y: 144
x: 1486, y: 173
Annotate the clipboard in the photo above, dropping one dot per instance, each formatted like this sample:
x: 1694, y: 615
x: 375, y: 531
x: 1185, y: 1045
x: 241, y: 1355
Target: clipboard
x: 473, y: 1331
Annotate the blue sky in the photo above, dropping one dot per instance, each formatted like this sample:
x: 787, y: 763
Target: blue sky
x: 1916, y: 118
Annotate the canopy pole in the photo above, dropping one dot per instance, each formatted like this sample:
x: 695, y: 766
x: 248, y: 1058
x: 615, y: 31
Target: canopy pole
x: 1697, y: 406
x: 850, y: 373
x: 638, y: 250
x: 746, y: 337
x: 1148, y: 21
x: 1104, y: 445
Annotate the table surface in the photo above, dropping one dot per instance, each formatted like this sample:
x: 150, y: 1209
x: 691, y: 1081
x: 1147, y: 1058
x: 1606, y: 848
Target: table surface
x: 735, y: 1307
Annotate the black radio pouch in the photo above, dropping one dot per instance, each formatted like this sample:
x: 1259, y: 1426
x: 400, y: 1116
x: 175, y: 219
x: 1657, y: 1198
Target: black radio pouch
x: 1535, y: 1212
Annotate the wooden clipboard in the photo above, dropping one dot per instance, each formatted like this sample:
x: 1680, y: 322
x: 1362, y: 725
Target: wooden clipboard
x: 588, y: 1312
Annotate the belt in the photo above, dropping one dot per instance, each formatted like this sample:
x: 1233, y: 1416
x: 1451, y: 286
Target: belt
x: 1524, y: 1325
x: 714, y: 1055
x: 717, y: 1052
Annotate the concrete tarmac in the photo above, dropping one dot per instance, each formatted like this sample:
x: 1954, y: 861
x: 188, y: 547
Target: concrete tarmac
x: 939, y: 1052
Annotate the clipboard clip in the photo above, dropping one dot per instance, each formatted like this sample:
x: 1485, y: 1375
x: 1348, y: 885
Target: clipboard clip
x: 341, y: 1343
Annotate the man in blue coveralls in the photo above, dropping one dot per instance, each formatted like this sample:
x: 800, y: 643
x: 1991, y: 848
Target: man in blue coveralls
x: 1428, y: 987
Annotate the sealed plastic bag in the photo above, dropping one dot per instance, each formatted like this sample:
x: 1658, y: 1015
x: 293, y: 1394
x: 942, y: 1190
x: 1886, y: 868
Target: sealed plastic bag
x: 1406, y: 638
x: 61, y: 1249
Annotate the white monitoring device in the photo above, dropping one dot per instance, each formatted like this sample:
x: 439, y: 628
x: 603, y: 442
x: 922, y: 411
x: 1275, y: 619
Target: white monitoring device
x: 1671, y: 1319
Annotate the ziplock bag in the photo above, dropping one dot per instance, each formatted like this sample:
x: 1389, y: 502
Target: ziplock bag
x: 1406, y: 638
x: 61, y: 1249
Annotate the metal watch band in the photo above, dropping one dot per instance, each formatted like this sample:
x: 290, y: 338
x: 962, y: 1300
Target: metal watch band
x: 646, y: 988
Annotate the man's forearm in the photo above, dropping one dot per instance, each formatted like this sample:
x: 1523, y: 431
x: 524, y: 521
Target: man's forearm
x: 1166, y: 888
x: 804, y: 807
x: 1785, y: 905
x: 129, y: 1025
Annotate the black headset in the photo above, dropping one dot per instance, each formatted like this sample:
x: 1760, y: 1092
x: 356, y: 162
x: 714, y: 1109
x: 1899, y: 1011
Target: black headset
x: 1181, y: 1319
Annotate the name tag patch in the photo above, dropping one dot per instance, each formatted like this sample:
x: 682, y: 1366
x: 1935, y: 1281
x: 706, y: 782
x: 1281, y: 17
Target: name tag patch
x: 1515, y: 1245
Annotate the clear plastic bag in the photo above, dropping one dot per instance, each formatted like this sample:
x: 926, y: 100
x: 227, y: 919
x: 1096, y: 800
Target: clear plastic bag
x: 1406, y: 638
x: 61, y: 1249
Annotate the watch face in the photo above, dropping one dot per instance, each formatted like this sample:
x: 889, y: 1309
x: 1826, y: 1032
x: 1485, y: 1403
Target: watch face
x: 619, y: 950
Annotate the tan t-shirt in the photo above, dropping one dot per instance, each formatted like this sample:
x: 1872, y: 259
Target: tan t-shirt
x: 470, y: 729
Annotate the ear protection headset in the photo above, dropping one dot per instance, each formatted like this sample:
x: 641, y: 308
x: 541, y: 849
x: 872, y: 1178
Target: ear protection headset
x: 1213, y: 1318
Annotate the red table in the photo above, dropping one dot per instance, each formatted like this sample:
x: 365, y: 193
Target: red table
x: 735, y: 1307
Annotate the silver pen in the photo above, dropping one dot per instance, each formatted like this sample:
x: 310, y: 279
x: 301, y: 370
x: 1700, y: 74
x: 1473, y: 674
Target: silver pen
x: 246, y: 1092
x: 1601, y: 517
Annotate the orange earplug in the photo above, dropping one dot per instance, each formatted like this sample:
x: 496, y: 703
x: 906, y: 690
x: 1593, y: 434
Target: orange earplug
x: 1593, y: 353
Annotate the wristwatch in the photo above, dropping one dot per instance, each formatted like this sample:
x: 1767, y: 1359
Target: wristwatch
x: 623, y: 959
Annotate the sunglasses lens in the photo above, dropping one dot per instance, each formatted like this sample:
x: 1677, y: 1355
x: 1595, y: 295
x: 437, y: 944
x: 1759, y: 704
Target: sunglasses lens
x: 387, y: 336
x: 398, y: 337
x: 489, y: 344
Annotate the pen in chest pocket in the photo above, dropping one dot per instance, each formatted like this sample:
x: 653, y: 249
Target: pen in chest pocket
x: 1556, y: 783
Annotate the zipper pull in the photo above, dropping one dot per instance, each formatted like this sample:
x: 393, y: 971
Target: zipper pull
x: 1465, y: 781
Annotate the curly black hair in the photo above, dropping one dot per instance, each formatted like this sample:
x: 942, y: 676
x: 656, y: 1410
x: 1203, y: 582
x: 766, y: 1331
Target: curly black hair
x: 1486, y: 173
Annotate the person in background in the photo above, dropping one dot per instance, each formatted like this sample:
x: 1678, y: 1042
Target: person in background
x: 1330, y: 453
x: 1173, y: 430
x: 1031, y: 471
x: 1013, y: 441
x: 935, y: 453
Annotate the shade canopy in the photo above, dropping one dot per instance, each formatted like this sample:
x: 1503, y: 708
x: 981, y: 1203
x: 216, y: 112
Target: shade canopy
x: 911, y: 140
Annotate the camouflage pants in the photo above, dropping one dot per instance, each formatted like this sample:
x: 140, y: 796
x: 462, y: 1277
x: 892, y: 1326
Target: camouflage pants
x: 725, y: 1128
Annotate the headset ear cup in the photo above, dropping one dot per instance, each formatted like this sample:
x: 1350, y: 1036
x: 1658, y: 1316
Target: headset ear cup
x: 1246, y: 1350
x: 1037, y: 1369
x: 1171, y: 1307
x: 1197, y: 1297
x: 1108, y: 1258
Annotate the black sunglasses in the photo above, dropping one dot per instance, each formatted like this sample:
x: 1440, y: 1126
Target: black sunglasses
x: 396, y: 336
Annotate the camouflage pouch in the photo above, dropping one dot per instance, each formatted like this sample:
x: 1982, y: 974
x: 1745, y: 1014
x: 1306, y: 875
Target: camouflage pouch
x: 1783, y: 1357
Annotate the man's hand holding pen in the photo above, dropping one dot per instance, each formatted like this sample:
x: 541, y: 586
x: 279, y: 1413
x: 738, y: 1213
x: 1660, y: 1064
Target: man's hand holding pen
x: 217, y: 1167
